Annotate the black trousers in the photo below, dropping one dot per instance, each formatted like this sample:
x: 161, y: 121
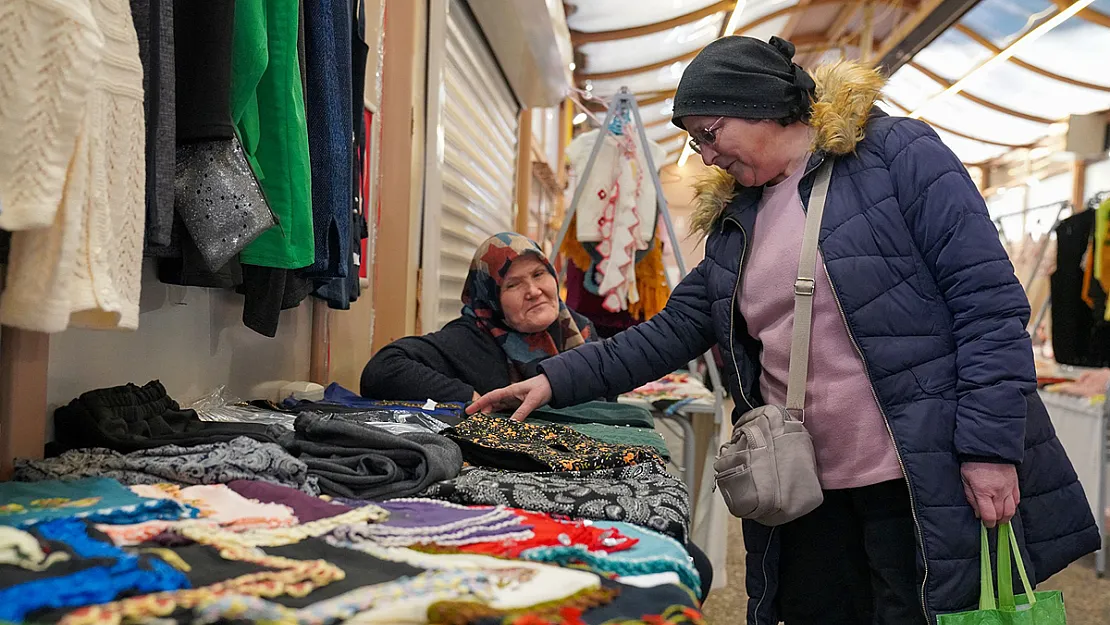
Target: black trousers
x: 852, y: 561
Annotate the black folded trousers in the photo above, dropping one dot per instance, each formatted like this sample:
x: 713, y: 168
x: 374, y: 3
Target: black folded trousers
x: 130, y: 417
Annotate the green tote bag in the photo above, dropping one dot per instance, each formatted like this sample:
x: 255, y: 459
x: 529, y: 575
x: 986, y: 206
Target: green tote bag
x: 1031, y: 608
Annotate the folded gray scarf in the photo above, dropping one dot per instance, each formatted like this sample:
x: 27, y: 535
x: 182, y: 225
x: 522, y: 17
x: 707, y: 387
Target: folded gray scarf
x: 364, y: 462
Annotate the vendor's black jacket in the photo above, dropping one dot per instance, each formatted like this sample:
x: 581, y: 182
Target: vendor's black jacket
x: 449, y: 365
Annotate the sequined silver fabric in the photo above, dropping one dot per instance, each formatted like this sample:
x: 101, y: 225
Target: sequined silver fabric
x: 219, y: 199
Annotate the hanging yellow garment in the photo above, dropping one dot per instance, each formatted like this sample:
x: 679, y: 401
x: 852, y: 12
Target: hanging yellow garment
x: 1102, y: 254
x: 651, y: 274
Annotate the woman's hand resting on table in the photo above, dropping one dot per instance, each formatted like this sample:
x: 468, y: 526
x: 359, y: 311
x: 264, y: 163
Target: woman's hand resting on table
x: 524, y: 396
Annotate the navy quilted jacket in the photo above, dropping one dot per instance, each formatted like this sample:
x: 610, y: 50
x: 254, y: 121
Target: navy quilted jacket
x: 931, y: 301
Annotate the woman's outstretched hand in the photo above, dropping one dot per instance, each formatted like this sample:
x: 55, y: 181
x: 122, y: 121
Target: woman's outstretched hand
x: 524, y: 396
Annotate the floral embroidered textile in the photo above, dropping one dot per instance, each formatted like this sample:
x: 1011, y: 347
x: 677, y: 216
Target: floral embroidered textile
x: 19, y: 548
x: 502, y: 443
x: 98, y: 572
x: 548, y: 531
x: 282, y: 535
x: 644, y: 495
x: 96, y: 499
x: 218, y: 505
x: 296, y: 578
x: 403, y: 596
x: 652, y: 553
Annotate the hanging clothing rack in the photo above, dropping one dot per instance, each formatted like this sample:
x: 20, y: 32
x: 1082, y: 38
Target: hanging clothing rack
x: 623, y: 101
x: 1097, y: 199
x: 1092, y: 204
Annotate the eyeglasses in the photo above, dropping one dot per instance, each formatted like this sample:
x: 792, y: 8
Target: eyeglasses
x: 705, y: 136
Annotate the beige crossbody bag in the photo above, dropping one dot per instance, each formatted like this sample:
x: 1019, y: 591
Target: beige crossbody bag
x: 768, y: 472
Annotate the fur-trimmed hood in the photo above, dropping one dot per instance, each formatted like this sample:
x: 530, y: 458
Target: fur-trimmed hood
x: 846, y: 93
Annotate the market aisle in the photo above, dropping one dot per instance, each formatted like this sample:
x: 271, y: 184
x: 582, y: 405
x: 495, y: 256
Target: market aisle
x: 1087, y: 598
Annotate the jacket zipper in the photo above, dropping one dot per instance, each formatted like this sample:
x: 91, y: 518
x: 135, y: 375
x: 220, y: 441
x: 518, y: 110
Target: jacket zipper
x: 732, y: 314
x: 739, y: 383
x: 886, y: 422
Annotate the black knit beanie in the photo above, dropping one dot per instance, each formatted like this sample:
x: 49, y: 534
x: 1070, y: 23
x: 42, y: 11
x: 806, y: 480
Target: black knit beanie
x: 745, y: 78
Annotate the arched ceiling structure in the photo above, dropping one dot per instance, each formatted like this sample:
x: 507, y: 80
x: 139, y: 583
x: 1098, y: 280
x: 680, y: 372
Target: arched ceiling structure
x: 990, y: 75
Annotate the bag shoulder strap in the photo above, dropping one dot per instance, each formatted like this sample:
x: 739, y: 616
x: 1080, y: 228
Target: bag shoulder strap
x: 804, y: 288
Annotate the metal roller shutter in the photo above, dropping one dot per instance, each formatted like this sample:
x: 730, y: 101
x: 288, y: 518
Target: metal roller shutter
x: 472, y: 136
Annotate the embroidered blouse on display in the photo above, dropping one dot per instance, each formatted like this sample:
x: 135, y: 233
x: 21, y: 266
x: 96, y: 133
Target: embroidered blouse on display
x: 644, y: 495
x: 502, y: 443
x: 96, y: 499
x: 97, y: 572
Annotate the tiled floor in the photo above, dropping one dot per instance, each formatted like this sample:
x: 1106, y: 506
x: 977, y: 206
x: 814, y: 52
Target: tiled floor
x: 1087, y: 598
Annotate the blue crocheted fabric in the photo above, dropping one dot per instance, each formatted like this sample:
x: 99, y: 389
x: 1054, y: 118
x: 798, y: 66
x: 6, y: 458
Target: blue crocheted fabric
x: 654, y: 553
x: 97, y: 499
x: 111, y: 573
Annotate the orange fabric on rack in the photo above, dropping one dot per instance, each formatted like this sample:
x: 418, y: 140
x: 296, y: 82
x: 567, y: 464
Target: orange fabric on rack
x: 651, y: 274
x: 1088, y: 274
x: 651, y: 281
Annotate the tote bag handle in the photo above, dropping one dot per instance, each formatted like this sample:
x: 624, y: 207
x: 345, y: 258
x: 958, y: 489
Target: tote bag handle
x: 1007, y: 544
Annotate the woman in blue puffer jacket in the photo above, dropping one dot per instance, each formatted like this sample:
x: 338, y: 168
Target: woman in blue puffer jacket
x: 921, y: 401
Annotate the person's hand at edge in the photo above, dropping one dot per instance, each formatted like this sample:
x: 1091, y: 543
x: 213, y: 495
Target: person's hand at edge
x: 992, y: 490
x: 525, y: 397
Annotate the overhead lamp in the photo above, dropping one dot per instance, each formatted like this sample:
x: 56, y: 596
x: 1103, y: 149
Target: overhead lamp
x: 734, y: 19
x: 579, y: 118
x: 1007, y: 54
x: 687, y: 152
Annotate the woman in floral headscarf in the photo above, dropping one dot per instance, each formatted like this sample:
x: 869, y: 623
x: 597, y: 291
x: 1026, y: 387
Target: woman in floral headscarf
x: 512, y: 319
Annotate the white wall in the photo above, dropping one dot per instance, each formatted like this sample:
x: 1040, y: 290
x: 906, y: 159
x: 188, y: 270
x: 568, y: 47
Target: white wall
x: 1098, y: 178
x: 192, y: 339
x: 1050, y: 190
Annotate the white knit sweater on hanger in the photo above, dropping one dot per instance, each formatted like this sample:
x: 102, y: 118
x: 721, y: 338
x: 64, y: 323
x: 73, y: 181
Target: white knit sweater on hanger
x: 72, y: 164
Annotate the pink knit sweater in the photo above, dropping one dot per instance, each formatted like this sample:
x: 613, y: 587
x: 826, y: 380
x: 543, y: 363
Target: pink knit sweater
x: 850, y: 437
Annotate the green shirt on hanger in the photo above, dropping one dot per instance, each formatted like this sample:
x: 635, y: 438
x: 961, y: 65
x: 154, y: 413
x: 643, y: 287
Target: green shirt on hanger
x: 267, y: 106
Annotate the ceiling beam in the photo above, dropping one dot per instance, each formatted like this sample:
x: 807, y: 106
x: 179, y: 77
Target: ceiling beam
x: 941, y: 80
x: 580, y: 38
x: 835, y: 31
x: 621, y: 73
x: 801, y: 42
x: 988, y: 44
x: 792, y: 23
x: 785, y: 11
x: 962, y: 135
x: 918, y: 30
x: 792, y: 9
x: 642, y: 99
x: 1093, y: 16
